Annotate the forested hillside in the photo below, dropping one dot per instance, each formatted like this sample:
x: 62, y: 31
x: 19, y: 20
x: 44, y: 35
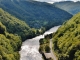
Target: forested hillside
x: 18, y: 27
x: 66, y: 41
x: 35, y: 14
x: 69, y: 6
x: 12, y: 32
x: 9, y: 45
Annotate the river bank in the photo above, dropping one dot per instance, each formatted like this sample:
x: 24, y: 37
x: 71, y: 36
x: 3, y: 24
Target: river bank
x: 30, y: 47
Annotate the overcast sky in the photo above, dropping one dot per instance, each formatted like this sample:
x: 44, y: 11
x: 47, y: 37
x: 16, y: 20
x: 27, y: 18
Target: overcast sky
x: 56, y: 0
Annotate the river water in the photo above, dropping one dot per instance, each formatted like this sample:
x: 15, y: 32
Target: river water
x: 29, y: 48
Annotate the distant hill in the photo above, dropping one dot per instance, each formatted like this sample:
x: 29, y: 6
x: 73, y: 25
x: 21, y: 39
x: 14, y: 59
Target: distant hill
x: 16, y: 26
x: 35, y: 14
x: 69, y: 6
x: 66, y: 41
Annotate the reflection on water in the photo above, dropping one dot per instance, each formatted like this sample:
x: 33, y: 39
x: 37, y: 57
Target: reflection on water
x: 29, y: 48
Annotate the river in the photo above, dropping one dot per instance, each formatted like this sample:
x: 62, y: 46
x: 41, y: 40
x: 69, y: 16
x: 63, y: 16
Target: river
x: 29, y: 48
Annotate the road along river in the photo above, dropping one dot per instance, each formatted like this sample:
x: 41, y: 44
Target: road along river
x: 29, y: 48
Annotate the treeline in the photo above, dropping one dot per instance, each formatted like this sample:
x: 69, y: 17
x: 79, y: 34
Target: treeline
x: 9, y: 45
x: 66, y: 42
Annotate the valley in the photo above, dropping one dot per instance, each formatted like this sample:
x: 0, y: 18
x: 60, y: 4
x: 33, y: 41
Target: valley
x: 36, y: 14
x: 30, y: 47
x: 33, y: 30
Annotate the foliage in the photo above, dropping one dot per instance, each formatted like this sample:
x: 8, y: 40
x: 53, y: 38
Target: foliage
x: 66, y: 41
x: 9, y: 45
x: 2, y: 29
x: 47, y: 48
x: 36, y: 14
x: 45, y: 44
x: 18, y: 27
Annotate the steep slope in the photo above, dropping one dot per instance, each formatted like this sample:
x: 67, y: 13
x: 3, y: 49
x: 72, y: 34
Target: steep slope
x: 16, y: 26
x: 9, y: 45
x: 69, y: 6
x: 66, y: 41
x: 35, y: 14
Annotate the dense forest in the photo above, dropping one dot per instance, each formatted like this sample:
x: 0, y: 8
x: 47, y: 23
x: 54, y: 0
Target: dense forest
x: 66, y: 41
x: 69, y: 6
x: 9, y: 45
x: 18, y: 27
x: 35, y: 14
x: 12, y: 32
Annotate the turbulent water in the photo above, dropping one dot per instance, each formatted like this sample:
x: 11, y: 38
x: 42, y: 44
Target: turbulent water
x: 29, y: 48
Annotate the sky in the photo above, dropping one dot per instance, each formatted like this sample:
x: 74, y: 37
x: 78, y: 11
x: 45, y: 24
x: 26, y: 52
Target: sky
x: 51, y: 1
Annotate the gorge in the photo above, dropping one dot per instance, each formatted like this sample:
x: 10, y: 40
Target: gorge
x: 29, y: 48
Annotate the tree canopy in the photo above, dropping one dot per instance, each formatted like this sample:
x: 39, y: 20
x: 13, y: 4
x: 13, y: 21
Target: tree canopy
x: 66, y: 41
x: 9, y: 45
x: 17, y: 27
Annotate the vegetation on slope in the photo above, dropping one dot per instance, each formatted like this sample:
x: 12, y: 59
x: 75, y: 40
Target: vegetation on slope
x: 36, y: 14
x: 66, y: 42
x: 69, y: 6
x: 45, y: 46
x: 10, y: 42
x: 9, y: 45
x: 18, y: 27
